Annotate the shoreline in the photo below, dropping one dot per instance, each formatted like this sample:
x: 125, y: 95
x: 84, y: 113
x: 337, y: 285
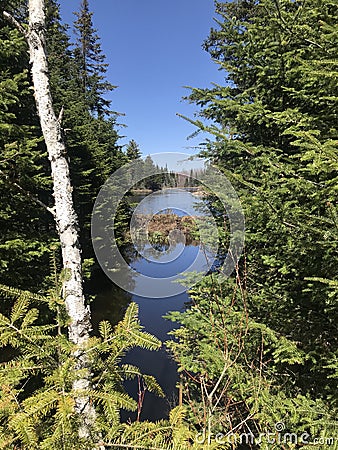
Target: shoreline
x: 197, y: 191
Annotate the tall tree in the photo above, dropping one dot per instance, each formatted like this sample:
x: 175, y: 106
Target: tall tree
x: 24, y: 164
x: 91, y: 62
x: 24, y: 172
x: 63, y: 210
x: 91, y: 140
x: 274, y: 123
x: 133, y: 151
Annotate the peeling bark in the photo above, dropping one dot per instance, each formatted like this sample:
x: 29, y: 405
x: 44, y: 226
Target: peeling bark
x: 64, y: 213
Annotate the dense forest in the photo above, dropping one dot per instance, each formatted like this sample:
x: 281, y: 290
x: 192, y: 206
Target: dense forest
x: 256, y: 354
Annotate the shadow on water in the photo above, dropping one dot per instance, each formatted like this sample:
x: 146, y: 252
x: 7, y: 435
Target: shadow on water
x: 110, y: 303
x: 159, y: 364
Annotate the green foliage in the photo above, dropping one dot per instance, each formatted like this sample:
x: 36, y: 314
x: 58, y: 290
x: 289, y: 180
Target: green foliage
x: 172, y: 434
x: 259, y: 349
x: 275, y: 138
x: 38, y: 368
x: 23, y: 174
x: 90, y: 129
x: 133, y: 151
x: 239, y: 374
x: 27, y: 229
x: 91, y: 63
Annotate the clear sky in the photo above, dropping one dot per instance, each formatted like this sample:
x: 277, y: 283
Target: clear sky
x: 154, y: 49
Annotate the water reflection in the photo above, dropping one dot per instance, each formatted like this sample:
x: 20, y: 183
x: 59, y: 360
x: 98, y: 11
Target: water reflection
x: 150, y: 264
x: 181, y: 201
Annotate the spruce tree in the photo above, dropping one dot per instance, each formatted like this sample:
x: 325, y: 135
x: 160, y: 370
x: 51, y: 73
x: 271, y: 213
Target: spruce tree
x: 274, y: 123
x: 133, y: 151
x: 91, y: 139
x: 26, y: 429
x: 26, y: 230
x: 91, y: 63
x: 38, y: 370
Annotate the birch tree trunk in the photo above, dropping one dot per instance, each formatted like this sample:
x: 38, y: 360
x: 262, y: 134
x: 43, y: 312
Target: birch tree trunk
x: 64, y: 213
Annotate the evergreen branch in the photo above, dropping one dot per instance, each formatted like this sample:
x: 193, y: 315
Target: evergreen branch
x: 6, y: 323
x: 123, y: 400
x: 288, y: 224
x: 151, y: 432
x: 20, y: 333
x: 131, y: 446
x: 255, y: 189
x: 11, y: 292
x: 28, y: 194
x: 331, y: 283
x: 7, y: 365
x: 145, y: 340
x: 205, y: 128
x: 15, y: 398
x: 153, y: 386
x: 99, y: 345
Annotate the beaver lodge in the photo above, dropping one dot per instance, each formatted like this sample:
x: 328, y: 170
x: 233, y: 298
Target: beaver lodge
x: 160, y: 228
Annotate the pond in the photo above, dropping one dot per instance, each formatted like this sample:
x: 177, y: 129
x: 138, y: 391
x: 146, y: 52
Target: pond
x: 152, y: 265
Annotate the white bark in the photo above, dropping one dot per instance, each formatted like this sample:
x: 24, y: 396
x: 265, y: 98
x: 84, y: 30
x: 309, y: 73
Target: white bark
x: 65, y: 216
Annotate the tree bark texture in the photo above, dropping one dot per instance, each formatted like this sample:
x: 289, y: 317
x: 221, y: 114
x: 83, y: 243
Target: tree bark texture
x: 64, y: 213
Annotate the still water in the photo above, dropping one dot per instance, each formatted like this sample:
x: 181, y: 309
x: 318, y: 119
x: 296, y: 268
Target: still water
x: 111, y: 301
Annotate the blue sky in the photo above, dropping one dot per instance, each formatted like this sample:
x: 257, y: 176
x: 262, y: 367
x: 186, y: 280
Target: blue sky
x: 153, y: 48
